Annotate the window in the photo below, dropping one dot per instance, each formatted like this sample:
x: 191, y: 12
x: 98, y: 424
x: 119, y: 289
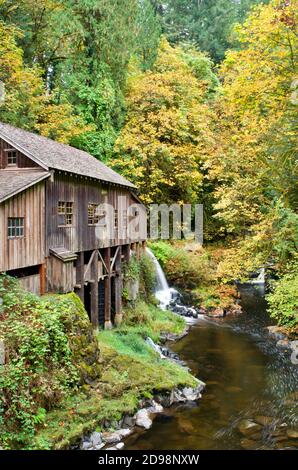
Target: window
x: 11, y: 158
x: 65, y: 212
x: 93, y: 217
x: 15, y: 227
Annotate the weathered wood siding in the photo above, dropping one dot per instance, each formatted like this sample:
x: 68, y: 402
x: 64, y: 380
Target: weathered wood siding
x: 31, y: 283
x: 22, y: 160
x: 29, y: 250
x: 83, y: 191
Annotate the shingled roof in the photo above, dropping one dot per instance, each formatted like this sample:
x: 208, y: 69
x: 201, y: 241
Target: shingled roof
x: 12, y: 182
x: 53, y: 155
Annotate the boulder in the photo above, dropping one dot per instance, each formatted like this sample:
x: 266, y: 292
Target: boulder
x: 217, y: 313
x: 247, y: 427
x: 116, y: 436
x: 276, y: 332
x: 264, y: 420
x: 95, y: 438
x: 248, y: 444
x: 120, y: 445
x: 292, y: 434
x: 283, y: 344
x: 155, y: 407
x: 129, y: 421
x: 143, y: 419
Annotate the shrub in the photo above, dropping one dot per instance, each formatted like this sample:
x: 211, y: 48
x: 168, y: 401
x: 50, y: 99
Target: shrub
x: 186, y: 269
x: 50, y: 350
x: 283, y: 300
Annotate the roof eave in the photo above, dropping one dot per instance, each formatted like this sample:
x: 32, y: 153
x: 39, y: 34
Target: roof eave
x: 24, y: 188
x: 22, y: 150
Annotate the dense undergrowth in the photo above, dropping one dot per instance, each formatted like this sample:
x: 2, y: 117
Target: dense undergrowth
x: 61, y: 379
x: 204, y: 273
x: 193, y: 268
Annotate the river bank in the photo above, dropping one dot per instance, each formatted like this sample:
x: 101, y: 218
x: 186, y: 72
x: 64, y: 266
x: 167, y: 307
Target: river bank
x: 250, y: 400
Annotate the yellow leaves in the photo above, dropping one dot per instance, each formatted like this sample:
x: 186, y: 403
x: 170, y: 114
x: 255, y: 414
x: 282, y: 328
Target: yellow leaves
x: 168, y: 130
x: 58, y: 122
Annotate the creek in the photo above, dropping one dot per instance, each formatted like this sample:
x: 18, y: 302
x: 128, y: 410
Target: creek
x: 248, y: 380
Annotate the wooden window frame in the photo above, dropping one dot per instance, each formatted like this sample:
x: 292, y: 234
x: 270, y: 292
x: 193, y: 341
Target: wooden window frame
x: 15, y: 227
x: 66, y: 209
x: 14, y: 155
x: 95, y: 218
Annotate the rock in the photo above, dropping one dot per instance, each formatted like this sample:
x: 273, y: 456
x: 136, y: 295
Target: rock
x: 216, y: 313
x: 292, y: 433
x: 155, y: 407
x: 86, y: 445
x: 192, y: 394
x: 283, y: 344
x: 129, y: 421
x: 111, y: 438
x: 264, y: 420
x: 143, y: 419
x: 248, y: 427
x: 276, y: 332
x: 116, y: 436
x: 95, y: 438
x: 111, y: 448
x: 248, y: 444
x: 120, y: 445
x: 186, y: 427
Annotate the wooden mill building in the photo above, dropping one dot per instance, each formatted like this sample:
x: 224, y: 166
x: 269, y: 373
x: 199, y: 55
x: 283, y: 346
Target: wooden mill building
x: 64, y: 222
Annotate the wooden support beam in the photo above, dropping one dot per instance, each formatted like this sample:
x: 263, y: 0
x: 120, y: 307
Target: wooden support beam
x: 118, y: 287
x: 126, y: 253
x: 144, y: 246
x: 42, y: 279
x: 80, y: 275
x: 107, y: 282
x: 94, y: 290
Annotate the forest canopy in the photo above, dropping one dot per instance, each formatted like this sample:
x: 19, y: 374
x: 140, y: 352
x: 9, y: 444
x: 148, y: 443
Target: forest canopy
x: 194, y: 101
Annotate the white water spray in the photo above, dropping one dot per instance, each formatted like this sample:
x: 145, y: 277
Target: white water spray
x: 163, y: 293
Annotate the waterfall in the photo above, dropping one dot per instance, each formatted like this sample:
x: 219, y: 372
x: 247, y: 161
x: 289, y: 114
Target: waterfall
x: 260, y: 279
x: 163, y: 292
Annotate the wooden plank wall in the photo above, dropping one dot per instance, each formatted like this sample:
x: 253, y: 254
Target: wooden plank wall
x: 22, y: 160
x: 18, y: 253
x: 83, y: 191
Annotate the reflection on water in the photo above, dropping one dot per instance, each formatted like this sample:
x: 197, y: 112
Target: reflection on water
x: 246, y: 378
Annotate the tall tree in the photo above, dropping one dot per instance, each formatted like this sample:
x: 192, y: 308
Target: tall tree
x: 207, y: 23
x: 168, y: 128
x: 254, y: 168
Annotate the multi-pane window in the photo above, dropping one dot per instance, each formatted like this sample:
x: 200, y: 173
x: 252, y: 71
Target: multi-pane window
x: 15, y: 227
x: 11, y: 158
x: 65, y: 212
x: 93, y: 217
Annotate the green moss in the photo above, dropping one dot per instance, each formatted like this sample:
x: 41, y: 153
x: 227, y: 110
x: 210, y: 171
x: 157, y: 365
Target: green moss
x: 130, y: 370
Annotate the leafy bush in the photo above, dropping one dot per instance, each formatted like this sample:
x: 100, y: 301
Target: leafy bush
x: 50, y: 350
x: 147, y: 276
x: 283, y: 300
x: 186, y: 269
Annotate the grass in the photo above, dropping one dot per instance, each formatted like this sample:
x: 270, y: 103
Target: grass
x: 130, y: 370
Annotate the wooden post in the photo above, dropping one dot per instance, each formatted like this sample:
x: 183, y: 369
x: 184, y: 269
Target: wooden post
x: 144, y: 246
x: 94, y: 291
x: 42, y: 279
x: 126, y: 253
x: 107, y: 281
x: 118, y: 289
x: 80, y: 275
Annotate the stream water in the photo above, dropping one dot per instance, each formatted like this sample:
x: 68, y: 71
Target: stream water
x: 246, y: 378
